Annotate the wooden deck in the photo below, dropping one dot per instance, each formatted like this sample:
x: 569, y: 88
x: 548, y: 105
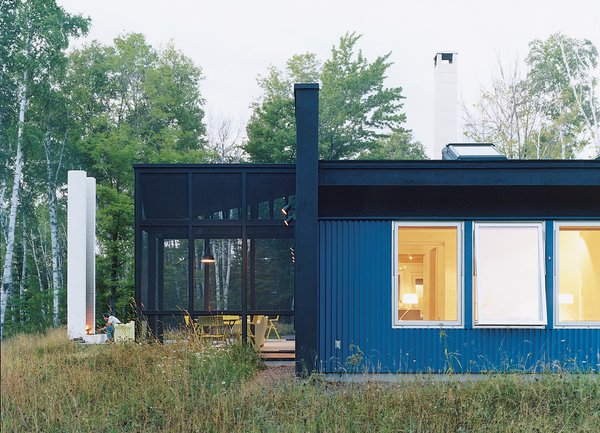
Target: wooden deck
x: 278, y: 349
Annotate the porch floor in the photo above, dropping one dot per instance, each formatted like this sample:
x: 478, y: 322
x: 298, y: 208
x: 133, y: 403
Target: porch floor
x: 278, y: 349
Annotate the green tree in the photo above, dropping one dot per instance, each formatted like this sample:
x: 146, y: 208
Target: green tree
x: 399, y: 145
x: 35, y: 36
x: 133, y: 104
x: 562, y: 69
x: 272, y: 127
x: 357, y: 112
x: 551, y: 111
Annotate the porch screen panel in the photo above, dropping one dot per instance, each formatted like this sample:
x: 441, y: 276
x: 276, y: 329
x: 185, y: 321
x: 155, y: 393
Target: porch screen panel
x: 218, y: 285
x: 217, y: 196
x: 267, y: 195
x: 164, y: 196
x: 175, y: 274
x: 509, y: 274
x: 271, y: 274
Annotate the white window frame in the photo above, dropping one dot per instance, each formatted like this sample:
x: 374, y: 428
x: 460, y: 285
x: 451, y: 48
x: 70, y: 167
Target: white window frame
x: 541, y: 324
x: 459, y: 323
x: 556, y: 305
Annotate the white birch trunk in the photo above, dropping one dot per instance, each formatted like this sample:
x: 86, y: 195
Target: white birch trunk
x: 39, y: 273
x: 218, y: 259
x: 227, y: 273
x: 23, y: 273
x: 7, y: 276
x: 51, y: 192
x: 3, y: 206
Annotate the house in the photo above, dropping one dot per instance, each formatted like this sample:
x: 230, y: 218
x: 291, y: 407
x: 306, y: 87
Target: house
x: 384, y: 266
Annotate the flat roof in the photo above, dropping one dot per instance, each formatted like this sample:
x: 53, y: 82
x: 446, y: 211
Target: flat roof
x: 423, y: 172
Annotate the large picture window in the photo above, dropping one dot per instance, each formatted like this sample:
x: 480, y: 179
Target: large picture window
x: 577, y: 293
x: 508, y: 279
x: 427, y: 274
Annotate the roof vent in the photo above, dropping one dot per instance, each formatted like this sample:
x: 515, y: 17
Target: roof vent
x: 471, y: 151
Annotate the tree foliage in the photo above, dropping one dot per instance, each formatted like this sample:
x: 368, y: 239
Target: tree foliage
x: 35, y: 36
x: 134, y: 104
x: 550, y: 111
x: 100, y: 108
x: 357, y: 112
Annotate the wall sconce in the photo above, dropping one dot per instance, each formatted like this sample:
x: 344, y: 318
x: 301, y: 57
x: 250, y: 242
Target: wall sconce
x: 289, y: 220
x: 207, y: 257
x: 286, y: 209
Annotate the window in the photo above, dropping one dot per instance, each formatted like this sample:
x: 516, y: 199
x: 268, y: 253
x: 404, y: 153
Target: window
x: 508, y: 280
x: 427, y: 274
x: 577, y: 294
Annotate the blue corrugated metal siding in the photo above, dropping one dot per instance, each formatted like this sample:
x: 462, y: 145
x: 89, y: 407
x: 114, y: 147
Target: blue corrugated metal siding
x: 356, y: 309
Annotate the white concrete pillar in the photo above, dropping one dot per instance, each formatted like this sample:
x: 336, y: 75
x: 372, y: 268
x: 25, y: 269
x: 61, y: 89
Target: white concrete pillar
x: 445, y: 105
x: 81, y: 240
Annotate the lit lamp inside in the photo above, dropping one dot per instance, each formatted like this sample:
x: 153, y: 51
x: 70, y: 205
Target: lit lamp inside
x: 410, y: 299
x: 565, y: 299
x: 87, y: 329
x: 207, y: 257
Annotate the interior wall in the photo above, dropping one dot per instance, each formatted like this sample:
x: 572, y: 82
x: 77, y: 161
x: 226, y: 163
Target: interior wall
x: 437, y: 244
x: 579, y: 274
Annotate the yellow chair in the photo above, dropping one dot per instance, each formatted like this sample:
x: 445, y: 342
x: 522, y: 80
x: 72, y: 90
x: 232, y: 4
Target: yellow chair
x: 230, y: 322
x: 260, y: 330
x: 211, y: 327
x: 190, y: 325
x: 255, y: 328
x: 125, y: 332
x: 272, y: 327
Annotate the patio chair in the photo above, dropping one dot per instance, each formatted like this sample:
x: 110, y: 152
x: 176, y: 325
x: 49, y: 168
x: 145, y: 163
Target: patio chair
x: 211, y: 327
x: 190, y: 325
x: 232, y: 326
x: 125, y: 332
x: 272, y: 327
x: 260, y: 329
x: 256, y: 330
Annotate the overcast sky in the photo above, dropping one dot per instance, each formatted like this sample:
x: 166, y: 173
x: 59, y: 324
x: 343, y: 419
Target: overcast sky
x: 235, y: 41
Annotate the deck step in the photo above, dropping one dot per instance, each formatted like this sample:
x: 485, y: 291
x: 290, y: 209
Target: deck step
x: 278, y: 355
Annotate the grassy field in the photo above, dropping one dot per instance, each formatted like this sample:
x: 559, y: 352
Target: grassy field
x: 52, y: 385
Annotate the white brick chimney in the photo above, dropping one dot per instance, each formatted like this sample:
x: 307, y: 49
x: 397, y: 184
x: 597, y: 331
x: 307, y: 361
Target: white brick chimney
x: 445, y: 104
x: 81, y: 259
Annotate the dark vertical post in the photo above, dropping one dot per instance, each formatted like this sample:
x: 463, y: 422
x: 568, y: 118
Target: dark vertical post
x: 207, y: 277
x: 245, y: 217
x: 137, y: 252
x: 191, y: 249
x: 306, y: 314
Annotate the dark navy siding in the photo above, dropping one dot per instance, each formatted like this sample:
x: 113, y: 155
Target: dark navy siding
x: 355, y: 292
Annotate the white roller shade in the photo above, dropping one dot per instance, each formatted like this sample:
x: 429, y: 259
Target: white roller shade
x: 509, y: 274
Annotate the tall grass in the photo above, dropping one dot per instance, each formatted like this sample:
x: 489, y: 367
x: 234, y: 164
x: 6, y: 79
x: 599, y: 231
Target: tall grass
x: 52, y: 385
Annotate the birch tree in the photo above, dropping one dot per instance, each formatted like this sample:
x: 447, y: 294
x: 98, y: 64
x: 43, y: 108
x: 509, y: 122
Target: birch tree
x: 549, y: 111
x: 132, y: 103
x: 565, y: 70
x: 41, y: 32
x: 511, y: 115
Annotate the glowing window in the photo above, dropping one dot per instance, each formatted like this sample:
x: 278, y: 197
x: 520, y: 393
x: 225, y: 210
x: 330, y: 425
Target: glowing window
x: 428, y: 274
x: 578, y: 278
x: 509, y: 287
